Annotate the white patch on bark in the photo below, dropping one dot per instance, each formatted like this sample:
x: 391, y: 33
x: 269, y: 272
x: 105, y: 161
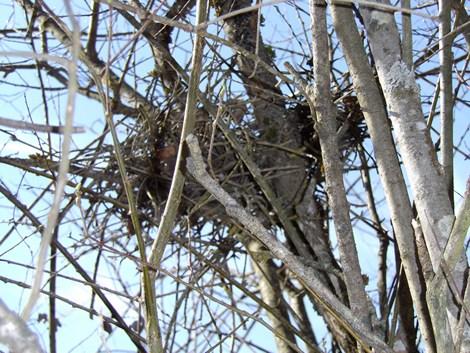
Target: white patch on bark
x: 15, y: 334
x: 380, y: 17
x: 444, y: 225
x: 399, y: 346
x: 400, y: 77
x: 421, y: 125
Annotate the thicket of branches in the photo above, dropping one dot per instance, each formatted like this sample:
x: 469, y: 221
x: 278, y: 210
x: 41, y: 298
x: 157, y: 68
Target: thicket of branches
x: 240, y: 183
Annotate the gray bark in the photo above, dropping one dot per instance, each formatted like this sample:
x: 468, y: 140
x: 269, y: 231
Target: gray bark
x: 196, y: 167
x: 446, y: 99
x: 427, y: 182
x: 371, y: 102
x: 271, y: 293
x: 325, y: 125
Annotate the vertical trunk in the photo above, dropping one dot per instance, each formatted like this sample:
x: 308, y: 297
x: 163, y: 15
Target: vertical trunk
x: 403, y: 101
x: 275, y: 126
x: 372, y: 105
x: 325, y: 125
x: 271, y: 293
x: 298, y: 306
x: 461, y: 18
x: 407, y: 36
x: 427, y: 182
x: 446, y: 99
x: 296, y: 264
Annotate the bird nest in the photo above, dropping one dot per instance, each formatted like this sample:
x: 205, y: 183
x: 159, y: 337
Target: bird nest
x: 151, y: 148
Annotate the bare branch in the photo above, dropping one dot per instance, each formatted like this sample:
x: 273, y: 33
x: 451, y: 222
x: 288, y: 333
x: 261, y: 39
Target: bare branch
x: 197, y: 169
x: 24, y: 125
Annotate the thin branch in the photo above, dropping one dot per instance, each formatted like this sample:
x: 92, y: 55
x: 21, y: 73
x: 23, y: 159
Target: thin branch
x: 176, y: 190
x: 151, y: 317
x: 384, y: 7
x: 63, y: 167
x: 177, y: 184
x: 196, y: 167
x: 446, y: 99
x: 455, y: 246
x: 23, y: 125
x: 407, y: 35
x: 88, y: 280
x: 92, y: 31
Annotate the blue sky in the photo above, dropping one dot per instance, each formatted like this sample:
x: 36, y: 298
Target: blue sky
x: 23, y: 104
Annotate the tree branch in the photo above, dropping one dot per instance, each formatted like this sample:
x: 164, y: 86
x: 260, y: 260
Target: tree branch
x: 196, y: 167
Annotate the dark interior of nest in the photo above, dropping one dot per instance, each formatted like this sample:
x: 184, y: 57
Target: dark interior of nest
x: 351, y: 132
x: 150, y: 156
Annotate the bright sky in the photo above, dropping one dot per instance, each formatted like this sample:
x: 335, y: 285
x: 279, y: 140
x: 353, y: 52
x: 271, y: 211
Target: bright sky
x: 78, y: 332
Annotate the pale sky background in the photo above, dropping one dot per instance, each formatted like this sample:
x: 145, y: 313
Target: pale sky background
x: 78, y: 333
